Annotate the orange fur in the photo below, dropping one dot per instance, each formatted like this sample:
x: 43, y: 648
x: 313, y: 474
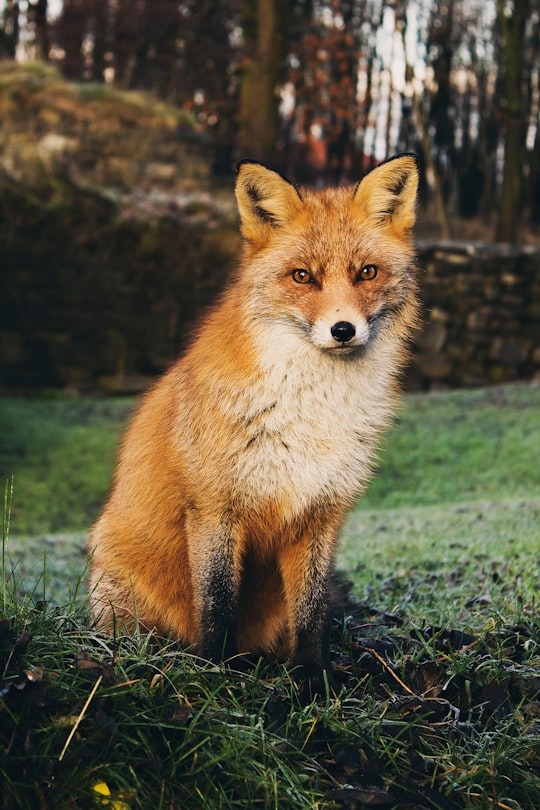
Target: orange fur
x: 241, y: 463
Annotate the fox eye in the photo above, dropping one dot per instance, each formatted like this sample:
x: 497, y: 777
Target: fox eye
x: 302, y: 276
x: 368, y: 272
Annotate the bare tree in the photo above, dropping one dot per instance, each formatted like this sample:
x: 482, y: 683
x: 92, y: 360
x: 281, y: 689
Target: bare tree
x: 264, y: 33
x: 71, y: 30
x: 37, y: 19
x: 512, y: 18
x: 9, y: 29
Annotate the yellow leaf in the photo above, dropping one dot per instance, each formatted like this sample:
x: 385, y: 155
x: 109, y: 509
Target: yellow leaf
x: 102, y: 789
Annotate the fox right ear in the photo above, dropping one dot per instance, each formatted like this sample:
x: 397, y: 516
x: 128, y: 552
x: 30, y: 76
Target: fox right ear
x: 265, y: 200
x: 387, y: 195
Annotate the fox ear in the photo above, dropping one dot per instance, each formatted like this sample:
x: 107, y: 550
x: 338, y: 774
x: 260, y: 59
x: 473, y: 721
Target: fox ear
x: 265, y: 200
x: 387, y: 195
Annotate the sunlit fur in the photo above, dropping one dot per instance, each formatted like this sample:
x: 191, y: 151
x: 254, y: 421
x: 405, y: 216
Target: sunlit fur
x: 241, y: 463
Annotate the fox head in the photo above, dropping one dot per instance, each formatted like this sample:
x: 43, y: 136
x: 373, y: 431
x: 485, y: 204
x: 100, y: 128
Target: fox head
x: 335, y: 265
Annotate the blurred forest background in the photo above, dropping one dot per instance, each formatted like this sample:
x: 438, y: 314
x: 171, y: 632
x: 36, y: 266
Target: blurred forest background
x: 325, y: 89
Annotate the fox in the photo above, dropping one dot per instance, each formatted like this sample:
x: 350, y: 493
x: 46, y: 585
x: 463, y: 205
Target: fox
x: 242, y: 462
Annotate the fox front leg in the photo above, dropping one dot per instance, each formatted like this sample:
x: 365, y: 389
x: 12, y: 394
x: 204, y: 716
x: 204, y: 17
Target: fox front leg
x: 306, y: 567
x: 214, y: 563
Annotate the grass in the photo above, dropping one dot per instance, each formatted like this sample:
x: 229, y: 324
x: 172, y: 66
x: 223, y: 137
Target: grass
x: 459, y: 446
x: 60, y: 453
x: 437, y: 657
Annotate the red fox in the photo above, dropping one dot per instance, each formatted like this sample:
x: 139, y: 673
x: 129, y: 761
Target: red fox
x: 242, y: 462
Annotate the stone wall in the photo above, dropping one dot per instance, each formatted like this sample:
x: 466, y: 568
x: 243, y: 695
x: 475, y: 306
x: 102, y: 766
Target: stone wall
x: 95, y: 296
x: 481, y: 315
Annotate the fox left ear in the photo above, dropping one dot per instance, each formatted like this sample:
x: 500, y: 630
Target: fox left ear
x: 387, y: 195
x: 265, y: 200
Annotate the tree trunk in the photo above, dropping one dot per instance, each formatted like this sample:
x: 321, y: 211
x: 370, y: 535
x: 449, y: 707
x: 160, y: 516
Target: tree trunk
x: 513, y: 113
x: 101, y: 22
x: 71, y: 29
x: 38, y: 15
x: 427, y: 150
x: 263, y: 24
x: 127, y: 33
x: 9, y: 33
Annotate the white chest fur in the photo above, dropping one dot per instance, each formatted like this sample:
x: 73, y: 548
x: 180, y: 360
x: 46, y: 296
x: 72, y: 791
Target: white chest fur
x: 308, y: 427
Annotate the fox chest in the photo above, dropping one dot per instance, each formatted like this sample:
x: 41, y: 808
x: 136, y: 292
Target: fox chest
x: 313, y: 439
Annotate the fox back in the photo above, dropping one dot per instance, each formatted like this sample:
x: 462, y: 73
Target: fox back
x: 240, y: 465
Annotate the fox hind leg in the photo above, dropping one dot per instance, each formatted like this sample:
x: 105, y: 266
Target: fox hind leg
x: 262, y: 615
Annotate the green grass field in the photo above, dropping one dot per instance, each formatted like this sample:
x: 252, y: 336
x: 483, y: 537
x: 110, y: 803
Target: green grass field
x: 438, y: 656
x: 445, y: 448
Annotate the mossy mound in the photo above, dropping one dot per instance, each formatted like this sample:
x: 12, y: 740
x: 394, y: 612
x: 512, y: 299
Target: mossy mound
x: 112, y: 235
x: 93, y: 136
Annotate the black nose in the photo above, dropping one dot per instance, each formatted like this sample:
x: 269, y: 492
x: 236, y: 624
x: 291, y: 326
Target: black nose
x: 343, y: 331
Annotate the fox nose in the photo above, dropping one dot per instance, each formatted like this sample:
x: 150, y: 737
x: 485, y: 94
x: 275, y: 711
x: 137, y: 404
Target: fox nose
x: 342, y: 331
